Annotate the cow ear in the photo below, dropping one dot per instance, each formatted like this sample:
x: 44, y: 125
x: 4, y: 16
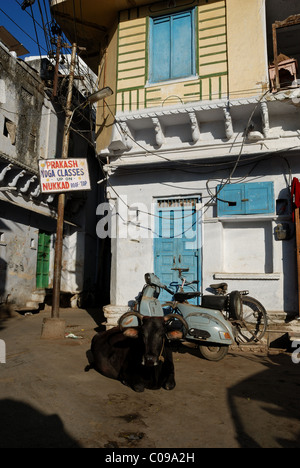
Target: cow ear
x: 174, y: 335
x: 131, y: 332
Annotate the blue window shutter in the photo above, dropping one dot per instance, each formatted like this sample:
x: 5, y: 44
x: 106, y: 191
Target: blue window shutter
x: 182, y: 45
x: 172, y: 46
x: 260, y: 197
x: 230, y: 200
x: 161, y: 49
x: 252, y: 198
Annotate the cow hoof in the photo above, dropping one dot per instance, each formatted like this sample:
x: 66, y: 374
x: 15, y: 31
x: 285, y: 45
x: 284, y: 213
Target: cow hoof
x: 169, y: 385
x: 138, y: 388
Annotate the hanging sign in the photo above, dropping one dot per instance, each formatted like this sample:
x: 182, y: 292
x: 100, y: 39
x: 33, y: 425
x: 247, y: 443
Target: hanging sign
x: 64, y: 175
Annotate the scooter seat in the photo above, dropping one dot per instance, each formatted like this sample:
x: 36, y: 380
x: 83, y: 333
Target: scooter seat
x: 214, y: 302
x: 186, y: 296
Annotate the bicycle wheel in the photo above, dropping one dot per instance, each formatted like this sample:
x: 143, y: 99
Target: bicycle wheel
x: 253, y: 321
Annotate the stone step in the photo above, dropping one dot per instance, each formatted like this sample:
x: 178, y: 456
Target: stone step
x: 280, y: 317
x: 32, y: 305
x: 38, y: 296
x: 25, y: 309
x: 294, y: 336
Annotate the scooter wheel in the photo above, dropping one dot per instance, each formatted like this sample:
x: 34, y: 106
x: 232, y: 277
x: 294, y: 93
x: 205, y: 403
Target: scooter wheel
x: 213, y: 353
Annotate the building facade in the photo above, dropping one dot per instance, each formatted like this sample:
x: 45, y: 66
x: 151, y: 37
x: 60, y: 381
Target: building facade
x: 199, y: 143
x: 31, y: 126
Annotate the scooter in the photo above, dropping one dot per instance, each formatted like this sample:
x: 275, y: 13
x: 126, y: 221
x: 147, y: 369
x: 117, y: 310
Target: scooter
x: 214, y: 326
x: 207, y: 327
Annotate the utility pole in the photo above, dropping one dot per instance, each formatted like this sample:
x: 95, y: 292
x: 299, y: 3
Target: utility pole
x: 55, y: 81
x: 62, y: 196
x: 54, y: 328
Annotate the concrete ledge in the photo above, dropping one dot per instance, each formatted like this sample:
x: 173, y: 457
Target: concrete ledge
x: 53, y: 329
x: 112, y: 313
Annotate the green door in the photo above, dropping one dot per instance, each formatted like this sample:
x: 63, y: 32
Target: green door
x: 43, y: 261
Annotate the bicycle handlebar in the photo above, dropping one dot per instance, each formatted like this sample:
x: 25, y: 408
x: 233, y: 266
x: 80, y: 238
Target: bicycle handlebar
x: 169, y: 290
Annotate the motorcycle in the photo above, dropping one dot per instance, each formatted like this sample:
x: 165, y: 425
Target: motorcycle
x: 220, y: 321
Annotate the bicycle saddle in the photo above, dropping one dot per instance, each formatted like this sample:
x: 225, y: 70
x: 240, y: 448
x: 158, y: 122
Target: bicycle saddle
x: 185, y: 296
x: 223, y: 286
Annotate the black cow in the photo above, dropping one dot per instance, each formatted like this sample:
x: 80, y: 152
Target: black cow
x: 139, y: 357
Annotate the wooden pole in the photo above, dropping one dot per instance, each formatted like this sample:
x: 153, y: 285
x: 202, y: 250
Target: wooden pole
x: 275, y: 52
x: 61, y: 197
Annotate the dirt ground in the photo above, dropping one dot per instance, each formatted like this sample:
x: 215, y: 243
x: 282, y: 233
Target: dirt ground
x: 47, y: 400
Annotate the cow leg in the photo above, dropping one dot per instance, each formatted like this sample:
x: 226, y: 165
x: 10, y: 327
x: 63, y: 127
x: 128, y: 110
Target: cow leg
x: 168, y: 372
x: 139, y: 387
x: 137, y: 381
x: 130, y: 376
x: 169, y: 383
x: 136, y: 386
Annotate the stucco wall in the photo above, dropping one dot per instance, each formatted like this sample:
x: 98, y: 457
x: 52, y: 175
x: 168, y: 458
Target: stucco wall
x: 19, y: 230
x: 243, y: 252
x: 23, y: 213
x: 22, y: 105
x: 231, y: 60
x: 247, y: 48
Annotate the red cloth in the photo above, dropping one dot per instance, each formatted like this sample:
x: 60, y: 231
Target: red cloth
x: 295, y: 193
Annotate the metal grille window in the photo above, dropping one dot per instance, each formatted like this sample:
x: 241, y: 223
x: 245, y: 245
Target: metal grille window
x: 177, y: 203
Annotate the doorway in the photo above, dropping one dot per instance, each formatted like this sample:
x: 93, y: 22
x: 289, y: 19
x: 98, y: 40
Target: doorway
x: 177, y: 242
x: 43, y: 260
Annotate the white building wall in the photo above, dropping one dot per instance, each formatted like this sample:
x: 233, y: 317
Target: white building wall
x: 23, y: 212
x: 241, y: 250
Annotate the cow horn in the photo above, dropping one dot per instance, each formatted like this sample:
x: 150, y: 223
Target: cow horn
x: 179, y: 317
x: 128, y: 314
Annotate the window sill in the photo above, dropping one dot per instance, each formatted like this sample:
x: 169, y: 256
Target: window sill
x: 248, y: 276
x: 248, y: 218
x: 171, y: 81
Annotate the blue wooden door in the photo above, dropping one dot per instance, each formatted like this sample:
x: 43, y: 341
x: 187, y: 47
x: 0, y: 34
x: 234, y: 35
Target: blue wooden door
x: 177, y: 242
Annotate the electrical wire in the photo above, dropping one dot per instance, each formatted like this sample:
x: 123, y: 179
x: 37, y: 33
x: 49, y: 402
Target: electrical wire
x: 213, y: 197
x: 16, y: 24
x: 37, y: 38
x: 236, y: 163
x: 35, y: 24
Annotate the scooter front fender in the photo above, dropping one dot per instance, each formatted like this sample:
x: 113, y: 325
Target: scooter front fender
x: 208, y: 320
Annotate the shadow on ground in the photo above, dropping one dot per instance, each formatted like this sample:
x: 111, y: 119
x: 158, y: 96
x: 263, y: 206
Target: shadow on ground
x: 24, y: 427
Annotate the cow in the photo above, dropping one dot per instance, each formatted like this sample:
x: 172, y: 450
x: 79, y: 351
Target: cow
x: 139, y: 357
